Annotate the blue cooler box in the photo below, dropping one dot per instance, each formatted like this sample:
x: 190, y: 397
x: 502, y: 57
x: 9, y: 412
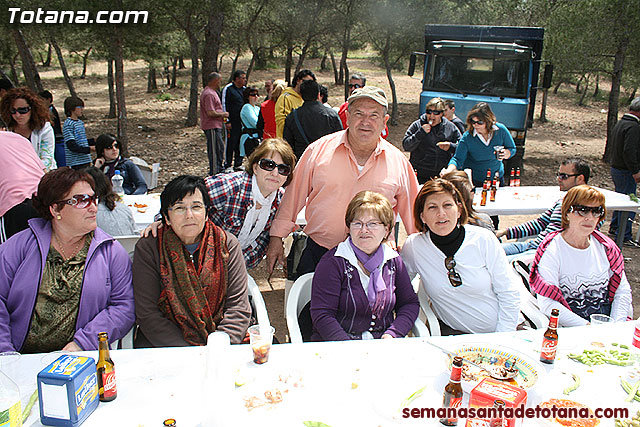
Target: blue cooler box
x: 68, y: 391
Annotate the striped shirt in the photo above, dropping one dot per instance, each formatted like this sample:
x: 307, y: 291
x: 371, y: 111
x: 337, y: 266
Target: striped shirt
x: 549, y: 221
x: 73, y: 130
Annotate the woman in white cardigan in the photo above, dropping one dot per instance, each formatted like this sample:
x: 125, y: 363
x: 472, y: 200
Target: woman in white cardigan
x: 463, y: 268
x: 25, y: 113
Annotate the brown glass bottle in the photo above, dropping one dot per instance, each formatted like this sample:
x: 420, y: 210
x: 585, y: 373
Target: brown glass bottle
x: 550, y: 339
x: 518, y: 177
x: 453, y: 391
x: 512, y: 178
x: 493, y: 191
x: 483, y: 195
x: 106, y: 370
x: 498, y: 420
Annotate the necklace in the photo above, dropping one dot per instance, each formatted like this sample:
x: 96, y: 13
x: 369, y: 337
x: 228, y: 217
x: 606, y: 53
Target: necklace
x: 75, y: 249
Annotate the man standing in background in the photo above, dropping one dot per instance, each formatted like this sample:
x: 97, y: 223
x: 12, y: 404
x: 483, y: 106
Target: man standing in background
x: 212, y: 124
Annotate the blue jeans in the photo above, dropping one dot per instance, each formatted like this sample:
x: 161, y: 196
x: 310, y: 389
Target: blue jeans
x: 625, y: 184
x: 514, y: 248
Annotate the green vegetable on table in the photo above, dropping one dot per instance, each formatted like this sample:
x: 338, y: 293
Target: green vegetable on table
x: 597, y: 357
x: 630, y: 422
x: 27, y: 409
x: 416, y: 394
x: 632, y: 390
x: 315, y: 424
x: 634, y: 198
x: 574, y: 386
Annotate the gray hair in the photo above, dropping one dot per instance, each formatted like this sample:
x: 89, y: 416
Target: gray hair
x: 213, y: 76
x: 635, y: 105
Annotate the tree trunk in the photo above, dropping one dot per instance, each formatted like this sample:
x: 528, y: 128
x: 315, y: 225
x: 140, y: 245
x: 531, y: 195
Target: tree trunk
x: 392, y: 84
x: 192, y: 115
x: 112, y: 93
x: 63, y: 67
x: 584, y: 92
x: 234, y: 64
x: 47, y: 62
x: 614, y: 95
x: 288, y: 62
x: 336, y: 76
x: 220, y: 63
x: 633, y: 95
x: 5, y: 76
x: 152, y: 84
x: 85, y: 57
x: 174, y: 73
x: 596, y: 91
x: 120, y: 96
x: 303, y: 54
x: 212, y: 35
x: 323, y: 62
x: 181, y: 65
x: 14, y: 72
x: 543, y: 108
x: 28, y: 65
x: 555, y: 89
x: 346, y: 81
x: 579, y: 84
x: 251, y: 65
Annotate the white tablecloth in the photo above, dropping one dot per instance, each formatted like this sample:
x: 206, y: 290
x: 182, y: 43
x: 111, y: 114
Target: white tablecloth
x: 155, y: 384
x: 143, y: 216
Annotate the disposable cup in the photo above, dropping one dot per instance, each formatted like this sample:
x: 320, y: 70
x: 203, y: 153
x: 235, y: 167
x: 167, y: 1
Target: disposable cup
x: 598, y: 319
x: 261, y: 343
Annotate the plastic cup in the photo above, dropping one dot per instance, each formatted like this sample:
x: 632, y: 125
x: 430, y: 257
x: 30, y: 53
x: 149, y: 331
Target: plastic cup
x: 598, y: 319
x: 9, y: 364
x: 498, y: 149
x: 260, y: 343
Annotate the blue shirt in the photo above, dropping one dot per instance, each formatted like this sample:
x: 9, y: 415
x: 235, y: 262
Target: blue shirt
x: 76, y: 147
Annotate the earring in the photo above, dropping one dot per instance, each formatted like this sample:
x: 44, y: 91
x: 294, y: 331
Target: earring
x: 59, y: 217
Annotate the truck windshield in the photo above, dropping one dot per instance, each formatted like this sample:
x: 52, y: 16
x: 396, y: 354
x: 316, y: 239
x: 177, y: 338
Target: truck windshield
x: 504, y: 77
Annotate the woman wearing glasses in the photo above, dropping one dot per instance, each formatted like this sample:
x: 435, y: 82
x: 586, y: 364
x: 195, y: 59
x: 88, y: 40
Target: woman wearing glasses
x: 25, y: 113
x: 578, y: 269
x: 63, y: 280
x: 484, y: 145
x: 361, y: 289
x: 249, y: 116
x: 463, y: 269
x: 189, y: 280
x: 432, y: 140
x: 109, y: 161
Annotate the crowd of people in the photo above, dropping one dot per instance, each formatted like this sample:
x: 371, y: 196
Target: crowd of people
x: 64, y: 276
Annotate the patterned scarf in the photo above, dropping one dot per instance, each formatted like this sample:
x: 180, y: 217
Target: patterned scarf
x: 379, y: 292
x: 614, y: 256
x: 193, y: 299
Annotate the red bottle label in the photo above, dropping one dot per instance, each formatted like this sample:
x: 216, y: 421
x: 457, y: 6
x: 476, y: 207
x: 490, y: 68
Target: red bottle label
x: 636, y: 336
x: 453, y: 402
x: 109, y: 384
x: 549, y: 348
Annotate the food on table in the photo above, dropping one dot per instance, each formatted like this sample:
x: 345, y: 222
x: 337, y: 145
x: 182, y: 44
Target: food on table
x: 253, y: 402
x: 27, y: 409
x: 261, y: 352
x: 273, y: 396
x: 574, y: 386
x: 628, y: 422
x: 571, y: 422
x: 140, y: 205
x: 315, y: 424
x: 271, y: 393
x: 597, y: 357
x: 631, y: 389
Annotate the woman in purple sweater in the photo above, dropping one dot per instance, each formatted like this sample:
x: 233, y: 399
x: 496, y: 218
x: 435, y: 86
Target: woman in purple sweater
x: 361, y: 283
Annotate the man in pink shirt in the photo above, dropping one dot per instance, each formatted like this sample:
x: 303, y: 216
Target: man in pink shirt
x: 336, y: 167
x: 211, y: 122
x: 20, y: 173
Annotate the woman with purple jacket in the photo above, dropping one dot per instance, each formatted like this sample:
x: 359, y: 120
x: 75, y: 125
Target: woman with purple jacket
x: 361, y: 288
x: 63, y: 280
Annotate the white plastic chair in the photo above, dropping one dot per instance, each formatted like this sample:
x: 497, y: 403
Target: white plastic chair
x: 127, y: 341
x: 128, y: 242
x: 426, y: 313
x: 300, y: 295
x: 528, y: 302
x: 257, y: 302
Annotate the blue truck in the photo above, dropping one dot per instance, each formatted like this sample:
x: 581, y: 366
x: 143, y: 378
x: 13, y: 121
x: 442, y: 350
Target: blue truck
x: 498, y: 65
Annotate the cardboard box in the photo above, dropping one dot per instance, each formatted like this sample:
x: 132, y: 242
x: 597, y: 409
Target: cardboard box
x: 68, y: 391
x: 490, y: 390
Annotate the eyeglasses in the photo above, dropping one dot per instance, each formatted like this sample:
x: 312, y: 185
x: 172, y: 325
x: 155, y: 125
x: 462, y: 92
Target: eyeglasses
x: 595, y: 211
x: 113, y: 147
x: 563, y: 176
x: 253, y: 94
x: 477, y: 122
x: 436, y: 112
x: 196, y: 209
x: 80, y: 201
x: 21, y: 110
x: 354, y: 86
x: 269, y: 165
x: 371, y: 225
x: 454, y: 277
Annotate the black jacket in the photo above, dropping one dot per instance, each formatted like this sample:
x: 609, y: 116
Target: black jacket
x: 315, y: 119
x: 234, y: 103
x: 427, y: 159
x: 624, y: 150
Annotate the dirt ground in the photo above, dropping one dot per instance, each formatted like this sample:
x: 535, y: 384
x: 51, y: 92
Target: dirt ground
x: 571, y: 130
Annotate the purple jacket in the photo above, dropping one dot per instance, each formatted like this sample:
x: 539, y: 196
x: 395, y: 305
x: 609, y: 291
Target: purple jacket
x: 106, y: 301
x: 340, y: 308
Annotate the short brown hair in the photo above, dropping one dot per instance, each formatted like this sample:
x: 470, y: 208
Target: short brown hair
x: 71, y: 103
x: 373, y: 202
x: 435, y: 103
x: 460, y: 180
x: 270, y: 146
x: 54, y: 186
x: 39, y: 112
x: 436, y: 186
x: 483, y: 112
x: 580, y: 195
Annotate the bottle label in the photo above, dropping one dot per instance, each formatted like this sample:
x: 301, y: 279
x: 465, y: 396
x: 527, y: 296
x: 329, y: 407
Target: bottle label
x: 553, y: 322
x: 11, y: 417
x: 456, y: 373
x: 109, y: 384
x: 451, y: 402
x: 636, y: 336
x: 549, y: 347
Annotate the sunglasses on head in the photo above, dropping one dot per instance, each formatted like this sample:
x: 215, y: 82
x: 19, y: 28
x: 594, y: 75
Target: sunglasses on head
x: 354, y: 86
x: 80, y: 201
x: 477, y: 122
x: 563, y: 176
x: 21, y: 110
x: 436, y: 112
x: 454, y: 277
x: 269, y: 165
x: 596, y: 211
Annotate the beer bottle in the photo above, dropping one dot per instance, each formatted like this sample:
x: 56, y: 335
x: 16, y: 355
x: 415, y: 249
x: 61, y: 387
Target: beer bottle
x: 494, y: 189
x: 498, y: 420
x: 550, y: 339
x: 512, y: 178
x: 453, y: 391
x: 488, y: 178
x: 518, y: 177
x: 483, y: 195
x: 106, y: 370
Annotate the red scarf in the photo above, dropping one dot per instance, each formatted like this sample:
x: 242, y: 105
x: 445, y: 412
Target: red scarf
x: 193, y: 299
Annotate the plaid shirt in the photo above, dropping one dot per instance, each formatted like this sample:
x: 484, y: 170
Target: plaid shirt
x: 231, y: 199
